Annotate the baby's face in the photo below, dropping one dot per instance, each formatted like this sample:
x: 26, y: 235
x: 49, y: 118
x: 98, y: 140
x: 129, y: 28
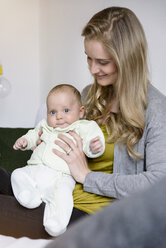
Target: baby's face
x: 63, y: 109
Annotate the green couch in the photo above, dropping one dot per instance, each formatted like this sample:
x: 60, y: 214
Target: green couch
x: 10, y: 158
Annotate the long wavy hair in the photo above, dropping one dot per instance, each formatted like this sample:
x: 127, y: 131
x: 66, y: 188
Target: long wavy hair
x: 121, y: 33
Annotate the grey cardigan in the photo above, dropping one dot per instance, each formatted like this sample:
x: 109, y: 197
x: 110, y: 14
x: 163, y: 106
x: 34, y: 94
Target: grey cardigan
x: 130, y: 175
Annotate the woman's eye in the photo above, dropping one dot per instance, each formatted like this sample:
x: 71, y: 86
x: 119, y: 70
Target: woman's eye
x: 53, y: 112
x: 89, y: 59
x: 103, y: 62
x: 66, y: 110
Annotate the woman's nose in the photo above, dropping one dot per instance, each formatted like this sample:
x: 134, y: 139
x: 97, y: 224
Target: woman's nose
x: 94, y: 68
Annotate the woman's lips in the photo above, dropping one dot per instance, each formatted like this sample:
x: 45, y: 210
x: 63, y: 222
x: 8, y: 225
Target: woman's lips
x: 101, y: 76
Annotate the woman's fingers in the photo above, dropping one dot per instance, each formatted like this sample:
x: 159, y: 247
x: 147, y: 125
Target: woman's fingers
x: 39, y: 141
x: 77, y: 138
x: 60, y: 154
x: 73, y: 155
x: 77, y: 164
x: 68, y: 142
x: 64, y: 146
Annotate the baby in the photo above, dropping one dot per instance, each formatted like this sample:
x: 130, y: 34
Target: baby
x: 46, y: 177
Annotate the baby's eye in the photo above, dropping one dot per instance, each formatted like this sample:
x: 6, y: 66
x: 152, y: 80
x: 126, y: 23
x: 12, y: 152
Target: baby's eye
x: 53, y: 112
x: 66, y: 110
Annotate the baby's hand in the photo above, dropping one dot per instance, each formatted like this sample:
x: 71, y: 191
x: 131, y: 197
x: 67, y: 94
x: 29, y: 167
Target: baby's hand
x: 20, y: 143
x: 96, y: 145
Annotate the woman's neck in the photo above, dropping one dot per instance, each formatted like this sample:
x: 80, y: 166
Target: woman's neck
x: 112, y: 107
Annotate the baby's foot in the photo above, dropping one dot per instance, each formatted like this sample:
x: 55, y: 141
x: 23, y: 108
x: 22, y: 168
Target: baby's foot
x: 28, y: 199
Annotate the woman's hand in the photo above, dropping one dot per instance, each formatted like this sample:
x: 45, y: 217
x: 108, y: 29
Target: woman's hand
x: 74, y: 156
x: 38, y: 142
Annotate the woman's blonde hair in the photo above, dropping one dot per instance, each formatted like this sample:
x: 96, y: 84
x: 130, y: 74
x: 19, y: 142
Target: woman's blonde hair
x: 121, y: 33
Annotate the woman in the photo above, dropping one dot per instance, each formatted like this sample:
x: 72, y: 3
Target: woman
x: 130, y: 111
x: 123, y: 100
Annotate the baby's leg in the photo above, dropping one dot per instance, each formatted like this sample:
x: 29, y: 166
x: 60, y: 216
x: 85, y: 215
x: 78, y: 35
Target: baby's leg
x: 59, y: 207
x: 25, y: 187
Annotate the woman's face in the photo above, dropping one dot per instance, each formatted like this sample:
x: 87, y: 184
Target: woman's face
x: 101, y: 66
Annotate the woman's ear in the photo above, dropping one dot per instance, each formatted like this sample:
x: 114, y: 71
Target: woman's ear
x: 82, y: 110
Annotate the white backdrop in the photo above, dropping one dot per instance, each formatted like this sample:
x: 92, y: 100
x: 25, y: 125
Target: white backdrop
x: 41, y: 46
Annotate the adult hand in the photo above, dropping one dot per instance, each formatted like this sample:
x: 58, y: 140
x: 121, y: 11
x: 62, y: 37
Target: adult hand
x: 74, y: 156
x: 38, y: 142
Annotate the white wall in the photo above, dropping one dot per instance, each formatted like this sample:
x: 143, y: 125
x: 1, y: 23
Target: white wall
x: 19, y: 57
x: 41, y: 45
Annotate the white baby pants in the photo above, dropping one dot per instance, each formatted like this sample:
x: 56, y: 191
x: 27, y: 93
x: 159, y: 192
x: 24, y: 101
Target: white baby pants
x: 33, y: 185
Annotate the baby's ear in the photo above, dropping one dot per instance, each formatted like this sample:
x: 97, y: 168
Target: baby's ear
x: 82, y: 110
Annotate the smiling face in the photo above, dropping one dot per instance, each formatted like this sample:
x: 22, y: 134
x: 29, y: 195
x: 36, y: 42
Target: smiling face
x: 63, y: 109
x: 101, y: 66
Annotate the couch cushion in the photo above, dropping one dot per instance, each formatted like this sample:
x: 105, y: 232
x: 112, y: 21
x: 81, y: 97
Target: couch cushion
x: 10, y: 158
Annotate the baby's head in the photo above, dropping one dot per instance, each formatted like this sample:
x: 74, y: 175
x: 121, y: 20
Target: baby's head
x: 64, y: 106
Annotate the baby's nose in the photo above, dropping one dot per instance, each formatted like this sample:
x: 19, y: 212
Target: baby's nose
x: 58, y: 115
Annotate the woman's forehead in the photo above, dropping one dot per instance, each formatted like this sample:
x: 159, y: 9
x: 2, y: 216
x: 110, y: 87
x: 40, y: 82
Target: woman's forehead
x: 95, y: 49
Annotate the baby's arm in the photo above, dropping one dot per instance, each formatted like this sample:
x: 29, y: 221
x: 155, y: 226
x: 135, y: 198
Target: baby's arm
x: 20, y: 143
x: 96, y: 145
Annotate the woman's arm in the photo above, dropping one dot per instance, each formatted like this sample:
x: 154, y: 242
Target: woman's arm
x: 133, y: 175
